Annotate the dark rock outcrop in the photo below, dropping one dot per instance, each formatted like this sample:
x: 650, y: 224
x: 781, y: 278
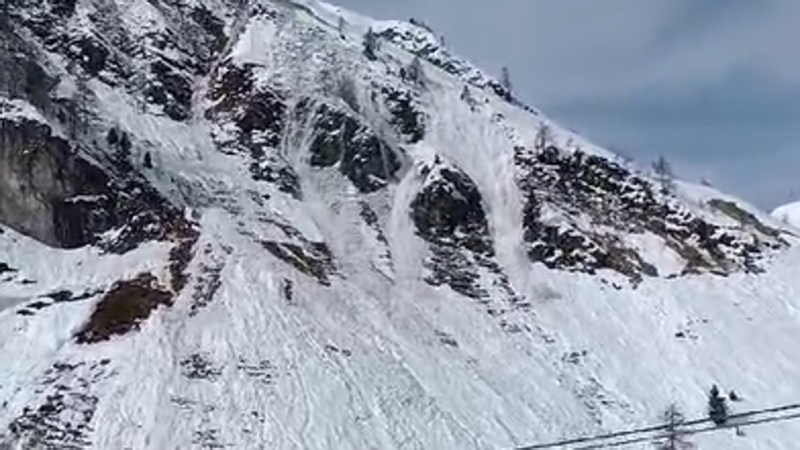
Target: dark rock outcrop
x: 312, y: 258
x: 170, y: 89
x: 64, y: 407
x: 259, y: 116
x: 213, y: 27
x: 607, y: 195
x: 448, y: 214
x: 362, y: 156
x: 52, y: 193
x: 406, y: 118
x: 123, y: 309
x: 449, y: 211
x: 21, y: 76
x: 44, y: 187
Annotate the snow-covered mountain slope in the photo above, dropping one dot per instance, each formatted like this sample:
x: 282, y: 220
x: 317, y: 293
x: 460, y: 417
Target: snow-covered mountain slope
x: 789, y: 214
x: 233, y: 224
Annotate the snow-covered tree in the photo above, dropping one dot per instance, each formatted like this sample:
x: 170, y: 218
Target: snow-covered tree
x: 80, y: 122
x: 148, y: 161
x: 414, y: 72
x: 623, y: 157
x: 112, y: 138
x: 120, y: 145
x: 544, y: 137
x: 370, y: 45
x: 468, y: 98
x: 421, y: 24
x: 664, y: 175
x: 717, y: 408
x: 346, y: 90
x: 140, y: 87
x: 505, y: 80
x: 466, y: 95
x: 124, y: 146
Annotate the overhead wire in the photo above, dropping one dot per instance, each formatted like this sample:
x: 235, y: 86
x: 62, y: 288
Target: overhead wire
x: 651, y: 429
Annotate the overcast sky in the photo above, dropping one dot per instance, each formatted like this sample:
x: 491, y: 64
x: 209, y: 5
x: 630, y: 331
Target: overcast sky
x: 714, y: 85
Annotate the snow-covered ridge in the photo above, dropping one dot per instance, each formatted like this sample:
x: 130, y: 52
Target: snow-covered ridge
x: 789, y: 214
x: 417, y: 39
x: 268, y: 239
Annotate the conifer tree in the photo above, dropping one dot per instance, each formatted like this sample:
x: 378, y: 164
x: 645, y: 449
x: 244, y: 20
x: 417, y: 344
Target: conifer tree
x: 664, y: 175
x: 370, y: 45
x: 717, y: 408
x: 414, y: 71
x: 674, y: 436
x: 544, y: 137
x: 505, y: 80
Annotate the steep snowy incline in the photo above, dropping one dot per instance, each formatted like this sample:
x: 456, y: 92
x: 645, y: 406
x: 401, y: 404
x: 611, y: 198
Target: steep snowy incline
x: 789, y: 214
x: 244, y: 225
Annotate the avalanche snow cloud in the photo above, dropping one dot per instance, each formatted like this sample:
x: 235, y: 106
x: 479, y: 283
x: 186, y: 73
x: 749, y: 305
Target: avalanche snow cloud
x: 280, y: 224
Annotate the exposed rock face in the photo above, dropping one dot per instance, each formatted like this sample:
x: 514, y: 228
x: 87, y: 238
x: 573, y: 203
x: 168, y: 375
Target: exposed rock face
x: 123, y: 308
x: 50, y: 192
x: 64, y: 200
x: 44, y: 187
x: 104, y: 50
x: 258, y: 115
x: 313, y: 258
x: 21, y: 75
x: 406, y: 118
x: 44, y: 425
x: 49, y: 189
x: 363, y: 157
x: 448, y: 213
x: 601, y: 193
x: 747, y: 218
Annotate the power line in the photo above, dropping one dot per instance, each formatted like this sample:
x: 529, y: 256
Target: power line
x: 693, y: 432
x: 586, y: 439
x: 650, y: 429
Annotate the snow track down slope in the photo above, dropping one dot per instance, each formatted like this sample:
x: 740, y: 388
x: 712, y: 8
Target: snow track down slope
x: 364, y: 259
